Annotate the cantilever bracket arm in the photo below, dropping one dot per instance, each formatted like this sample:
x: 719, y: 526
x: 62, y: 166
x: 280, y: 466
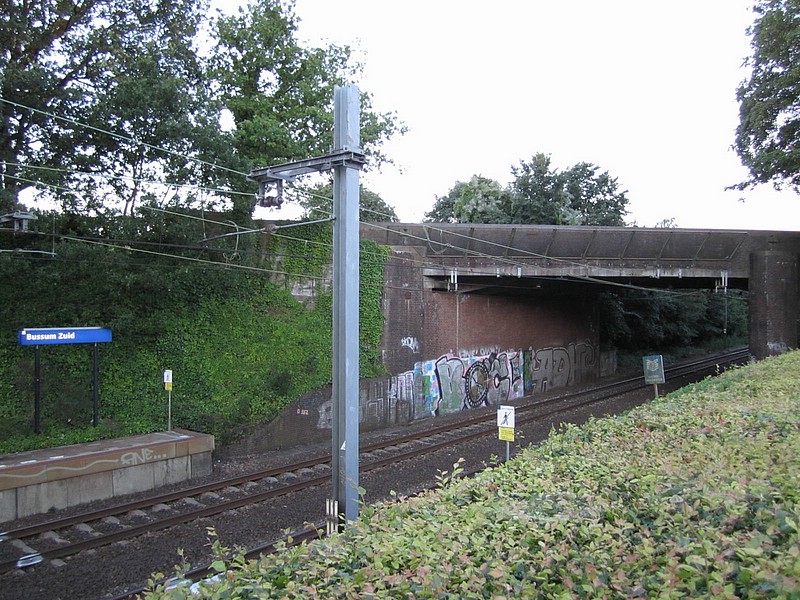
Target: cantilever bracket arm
x: 288, y: 171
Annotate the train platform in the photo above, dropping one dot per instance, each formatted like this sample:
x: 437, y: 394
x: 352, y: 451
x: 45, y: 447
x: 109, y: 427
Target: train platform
x: 38, y: 481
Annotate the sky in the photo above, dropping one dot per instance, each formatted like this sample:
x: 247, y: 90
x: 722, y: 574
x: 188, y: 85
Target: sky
x: 644, y: 90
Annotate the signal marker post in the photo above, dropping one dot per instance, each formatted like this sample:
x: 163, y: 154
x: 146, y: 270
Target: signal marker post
x: 505, y: 424
x: 168, y: 387
x: 653, y: 370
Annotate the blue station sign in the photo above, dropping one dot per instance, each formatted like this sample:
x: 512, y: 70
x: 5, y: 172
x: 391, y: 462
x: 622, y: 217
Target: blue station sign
x: 41, y: 336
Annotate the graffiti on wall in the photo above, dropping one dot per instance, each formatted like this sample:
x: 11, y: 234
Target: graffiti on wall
x: 451, y: 383
x: 558, y: 367
x: 411, y: 343
x: 401, y: 387
x: 383, y: 402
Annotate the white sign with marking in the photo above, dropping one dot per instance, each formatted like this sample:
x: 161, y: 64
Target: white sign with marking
x: 505, y: 416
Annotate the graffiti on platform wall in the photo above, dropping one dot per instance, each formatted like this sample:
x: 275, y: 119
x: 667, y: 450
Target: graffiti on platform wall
x: 401, y: 387
x: 452, y: 383
x: 381, y: 402
x: 139, y: 458
x: 558, y: 367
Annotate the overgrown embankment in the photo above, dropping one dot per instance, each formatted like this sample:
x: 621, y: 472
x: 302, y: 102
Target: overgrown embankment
x: 221, y: 316
x: 696, y: 494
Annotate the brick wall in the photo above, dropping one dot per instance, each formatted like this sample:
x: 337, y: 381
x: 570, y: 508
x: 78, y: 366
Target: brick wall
x: 448, y: 352
x: 421, y: 324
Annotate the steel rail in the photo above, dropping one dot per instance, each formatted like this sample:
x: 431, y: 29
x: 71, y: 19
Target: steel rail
x: 316, y: 531
x: 607, y: 390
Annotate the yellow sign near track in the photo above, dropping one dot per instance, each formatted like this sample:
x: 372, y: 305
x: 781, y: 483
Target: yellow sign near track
x: 507, y: 434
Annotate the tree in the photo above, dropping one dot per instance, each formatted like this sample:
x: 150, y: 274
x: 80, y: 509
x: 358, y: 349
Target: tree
x: 768, y: 135
x: 318, y: 204
x: 581, y: 195
x: 69, y: 72
x: 594, y: 198
x: 101, y: 98
x: 443, y: 210
x: 538, y: 194
x: 482, y: 200
x: 280, y: 94
x: 479, y: 200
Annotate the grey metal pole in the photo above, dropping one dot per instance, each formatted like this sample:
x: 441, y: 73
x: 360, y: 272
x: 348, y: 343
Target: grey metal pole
x: 345, y: 440
x: 95, y: 387
x: 37, y: 391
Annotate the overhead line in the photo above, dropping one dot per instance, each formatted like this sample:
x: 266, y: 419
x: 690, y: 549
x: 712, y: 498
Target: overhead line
x: 426, y: 227
x: 124, y: 177
x: 121, y: 137
x: 192, y: 259
x: 586, y: 278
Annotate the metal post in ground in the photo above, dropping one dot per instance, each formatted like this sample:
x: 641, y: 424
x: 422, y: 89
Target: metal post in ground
x: 346, y: 161
x: 345, y: 304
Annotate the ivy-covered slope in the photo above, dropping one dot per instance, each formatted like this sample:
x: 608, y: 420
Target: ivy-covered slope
x: 240, y: 346
x: 694, y: 495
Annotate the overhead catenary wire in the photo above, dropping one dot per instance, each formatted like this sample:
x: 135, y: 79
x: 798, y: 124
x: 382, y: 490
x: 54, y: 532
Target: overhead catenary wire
x: 130, y: 178
x: 504, y: 260
x: 125, y: 246
x: 194, y: 259
x: 125, y: 138
x: 121, y: 136
x: 581, y: 278
x: 428, y: 264
x: 416, y: 263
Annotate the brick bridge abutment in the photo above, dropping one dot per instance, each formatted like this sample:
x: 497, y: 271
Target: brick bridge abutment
x: 773, y: 318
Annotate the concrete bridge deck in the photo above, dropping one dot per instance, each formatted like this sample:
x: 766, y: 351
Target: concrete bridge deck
x: 544, y: 259
x: 610, y: 253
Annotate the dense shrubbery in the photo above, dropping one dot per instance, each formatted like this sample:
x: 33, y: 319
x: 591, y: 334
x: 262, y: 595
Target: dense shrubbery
x: 695, y: 494
x: 669, y: 322
x: 240, y: 346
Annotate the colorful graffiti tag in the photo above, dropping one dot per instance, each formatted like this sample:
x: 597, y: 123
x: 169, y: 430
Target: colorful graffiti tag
x: 451, y: 383
x: 477, y: 378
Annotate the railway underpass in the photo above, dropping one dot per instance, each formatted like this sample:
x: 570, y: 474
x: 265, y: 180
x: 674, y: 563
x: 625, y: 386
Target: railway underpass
x: 539, y: 259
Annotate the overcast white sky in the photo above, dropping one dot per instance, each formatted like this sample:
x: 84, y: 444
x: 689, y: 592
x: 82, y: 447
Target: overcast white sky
x: 643, y: 89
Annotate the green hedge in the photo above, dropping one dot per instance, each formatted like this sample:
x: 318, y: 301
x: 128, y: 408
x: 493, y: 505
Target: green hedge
x: 694, y: 495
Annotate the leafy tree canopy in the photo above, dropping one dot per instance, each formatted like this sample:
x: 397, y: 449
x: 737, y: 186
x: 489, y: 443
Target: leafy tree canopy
x: 539, y: 194
x: 70, y: 72
x: 318, y: 204
x: 481, y: 200
x: 105, y: 101
x: 768, y: 135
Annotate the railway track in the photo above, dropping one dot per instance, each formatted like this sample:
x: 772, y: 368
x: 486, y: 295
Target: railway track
x: 58, y: 539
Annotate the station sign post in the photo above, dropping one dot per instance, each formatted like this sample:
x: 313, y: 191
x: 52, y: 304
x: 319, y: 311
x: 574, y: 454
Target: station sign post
x: 49, y: 336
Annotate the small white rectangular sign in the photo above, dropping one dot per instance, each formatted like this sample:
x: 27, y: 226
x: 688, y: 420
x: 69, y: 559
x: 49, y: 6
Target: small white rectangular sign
x: 505, y: 416
x: 168, y: 376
